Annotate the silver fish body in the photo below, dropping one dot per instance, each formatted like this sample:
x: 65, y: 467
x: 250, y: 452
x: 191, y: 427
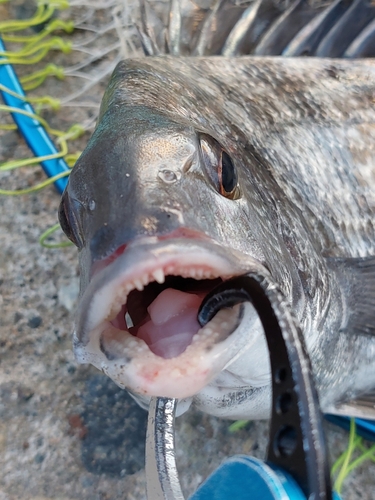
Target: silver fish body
x: 204, y: 168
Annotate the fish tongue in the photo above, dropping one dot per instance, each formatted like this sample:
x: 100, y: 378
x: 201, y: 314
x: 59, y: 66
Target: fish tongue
x: 173, y: 322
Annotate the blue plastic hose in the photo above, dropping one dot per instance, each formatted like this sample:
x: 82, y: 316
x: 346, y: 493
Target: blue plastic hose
x: 34, y: 133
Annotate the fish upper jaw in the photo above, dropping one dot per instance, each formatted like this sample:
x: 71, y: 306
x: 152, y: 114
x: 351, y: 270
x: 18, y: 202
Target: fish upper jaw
x: 102, y: 336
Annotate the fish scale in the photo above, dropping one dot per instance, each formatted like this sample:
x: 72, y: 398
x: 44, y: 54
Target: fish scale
x: 345, y: 212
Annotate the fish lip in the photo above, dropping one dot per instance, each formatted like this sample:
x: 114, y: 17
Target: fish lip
x: 138, y: 368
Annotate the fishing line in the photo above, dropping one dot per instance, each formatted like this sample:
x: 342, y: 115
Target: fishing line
x: 90, y: 56
x: 343, y: 466
x: 43, y: 238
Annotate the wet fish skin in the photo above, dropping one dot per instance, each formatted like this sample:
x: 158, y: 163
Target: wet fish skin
x: 301, y: 135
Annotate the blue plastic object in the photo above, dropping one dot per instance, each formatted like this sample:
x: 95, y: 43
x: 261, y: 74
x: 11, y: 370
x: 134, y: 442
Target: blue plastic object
x: 247, y: 478
x: 364, y: 428
x: 34, y: 133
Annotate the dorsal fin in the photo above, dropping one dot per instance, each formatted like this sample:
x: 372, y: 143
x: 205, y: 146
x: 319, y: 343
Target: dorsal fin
x: 308, y: 38
x: 248, y: 30
x: 349, y: 26
x: 146, y: 33
x: 284, y: 29
x: 364, y: 44
x: 343, y: 28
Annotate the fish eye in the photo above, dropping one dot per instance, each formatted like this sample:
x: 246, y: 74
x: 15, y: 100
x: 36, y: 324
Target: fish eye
x: 219, y: 167
x: 68, y: 219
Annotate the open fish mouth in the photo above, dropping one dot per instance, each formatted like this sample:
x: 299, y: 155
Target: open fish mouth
x: 137, y: 320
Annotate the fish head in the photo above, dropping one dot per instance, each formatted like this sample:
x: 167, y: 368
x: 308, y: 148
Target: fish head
x: 145, y: 175
x: 158, y: 210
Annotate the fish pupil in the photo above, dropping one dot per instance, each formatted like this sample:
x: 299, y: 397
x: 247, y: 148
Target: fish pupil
x: 228, y: 175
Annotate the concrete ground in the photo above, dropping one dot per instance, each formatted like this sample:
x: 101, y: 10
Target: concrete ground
x: 66, y: 431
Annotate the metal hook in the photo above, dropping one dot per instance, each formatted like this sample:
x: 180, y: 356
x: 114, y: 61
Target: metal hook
x: 162, y: 481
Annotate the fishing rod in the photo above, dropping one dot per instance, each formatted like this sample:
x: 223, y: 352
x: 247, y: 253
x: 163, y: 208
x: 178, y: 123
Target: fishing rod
x: 296, y: 466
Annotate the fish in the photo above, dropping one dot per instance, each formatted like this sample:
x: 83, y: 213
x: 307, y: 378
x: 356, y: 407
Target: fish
x: 207, y: 163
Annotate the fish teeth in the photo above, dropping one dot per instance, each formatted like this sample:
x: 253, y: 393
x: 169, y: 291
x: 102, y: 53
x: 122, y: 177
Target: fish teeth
x: 129, y: 322
x: 170, y: 270
x: 158, y: 274
x: 189, y: 274
x: 199, y: 274
x: 138, y: 284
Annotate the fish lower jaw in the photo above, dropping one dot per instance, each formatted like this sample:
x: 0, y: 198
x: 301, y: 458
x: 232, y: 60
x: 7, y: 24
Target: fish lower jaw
x: 129, y: 362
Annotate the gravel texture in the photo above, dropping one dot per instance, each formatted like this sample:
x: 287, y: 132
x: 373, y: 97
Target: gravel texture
x: 66, y: 431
